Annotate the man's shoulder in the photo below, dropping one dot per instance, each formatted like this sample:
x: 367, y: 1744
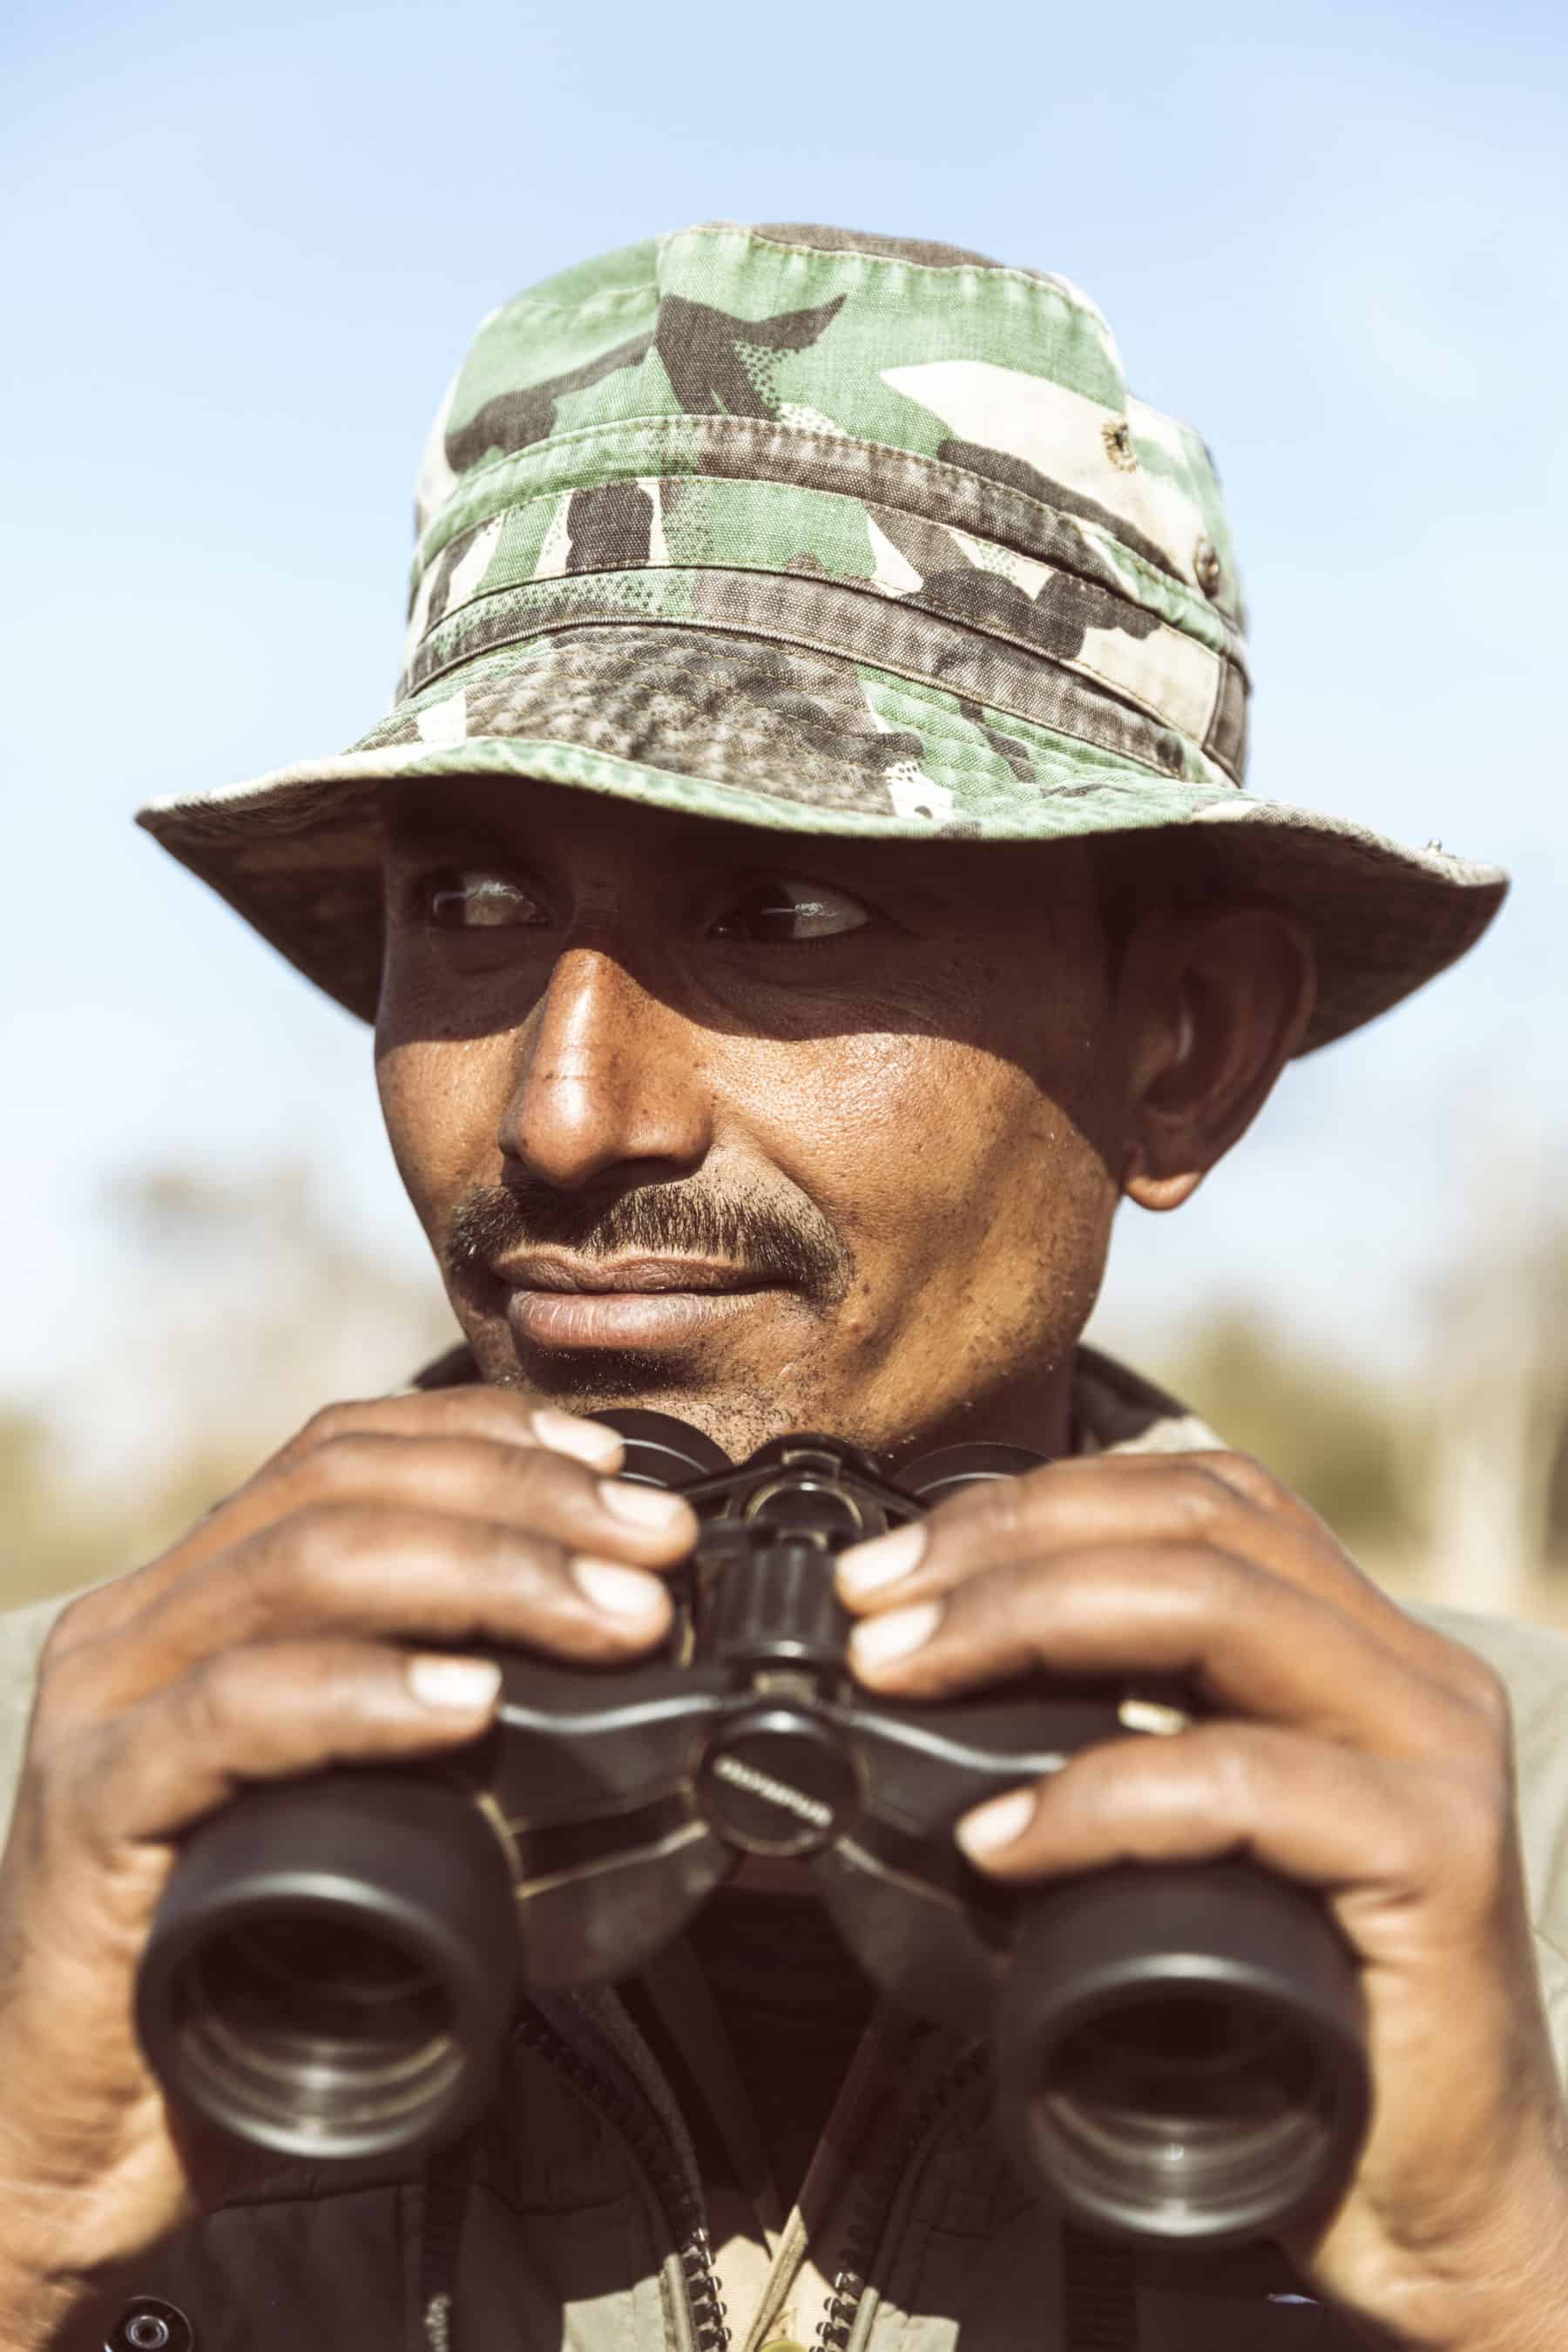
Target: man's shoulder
x: 1532, y: 1663
x: 1531, y: 1659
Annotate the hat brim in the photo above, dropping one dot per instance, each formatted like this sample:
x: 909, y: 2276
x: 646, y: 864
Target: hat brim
x: 755, y: 733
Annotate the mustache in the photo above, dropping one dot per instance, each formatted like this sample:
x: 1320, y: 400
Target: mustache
x: 762, y: 1238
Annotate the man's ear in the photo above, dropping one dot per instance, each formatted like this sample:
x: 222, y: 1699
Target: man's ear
x: 1215, y: 1002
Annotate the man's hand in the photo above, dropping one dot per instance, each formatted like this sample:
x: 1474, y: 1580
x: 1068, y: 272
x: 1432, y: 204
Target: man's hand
x: 1356, y: 1752
x: 305, y: 1622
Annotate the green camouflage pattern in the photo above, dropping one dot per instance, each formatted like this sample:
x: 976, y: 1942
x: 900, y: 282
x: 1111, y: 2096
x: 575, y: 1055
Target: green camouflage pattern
x: 762, y: 430
x: 821, y: 531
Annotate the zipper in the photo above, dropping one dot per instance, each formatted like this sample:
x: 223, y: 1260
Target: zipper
x: 864, y: 2236
x: 447, y: 2176
x: 1099, y: 2306
x: 1099, y: 2311
x: 680, y: 2203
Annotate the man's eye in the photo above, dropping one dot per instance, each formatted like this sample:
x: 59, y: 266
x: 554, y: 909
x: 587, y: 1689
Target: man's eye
x: 478, y: 902
x: 780, y: 909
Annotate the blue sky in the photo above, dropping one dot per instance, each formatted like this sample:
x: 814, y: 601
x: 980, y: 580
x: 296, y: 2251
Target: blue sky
x: 247, y: 254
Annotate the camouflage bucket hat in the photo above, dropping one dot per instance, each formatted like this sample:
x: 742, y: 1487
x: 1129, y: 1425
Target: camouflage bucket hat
x: 834, y: 534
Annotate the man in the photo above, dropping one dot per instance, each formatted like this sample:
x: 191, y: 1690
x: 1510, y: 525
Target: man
x: 803, y: 887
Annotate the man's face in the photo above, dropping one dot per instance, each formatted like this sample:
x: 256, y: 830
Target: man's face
x: 769, y: 1131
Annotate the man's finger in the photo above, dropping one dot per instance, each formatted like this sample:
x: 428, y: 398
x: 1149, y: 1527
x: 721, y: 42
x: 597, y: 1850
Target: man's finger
x: 1350, y: 1825
x: 1221, y: 1501
x: 264, y: 1712
x: 498, y: 1416
x: 1244, y: 1638
x: 356, y: 1569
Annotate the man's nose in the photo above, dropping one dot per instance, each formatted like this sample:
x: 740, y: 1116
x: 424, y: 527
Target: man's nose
x: 609, y: 1078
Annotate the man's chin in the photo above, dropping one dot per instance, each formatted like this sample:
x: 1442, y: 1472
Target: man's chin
x: 739, y: 1407
x: 583, y: 1383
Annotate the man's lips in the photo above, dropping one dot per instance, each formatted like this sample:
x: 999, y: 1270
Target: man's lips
x: 630, y: 1273
x: 633, y: 1303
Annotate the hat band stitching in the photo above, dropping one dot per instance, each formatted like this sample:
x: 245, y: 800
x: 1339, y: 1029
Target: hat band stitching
x: 1148, y: 673
x: 788, y: 453
x: 938, y: 536
x: 821, y: 617
x: 948, y: 735
x: 1099, y: 564
x: 776, y: 441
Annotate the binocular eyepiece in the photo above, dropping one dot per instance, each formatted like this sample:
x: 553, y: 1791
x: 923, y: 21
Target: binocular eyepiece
x: 1179, y: 2051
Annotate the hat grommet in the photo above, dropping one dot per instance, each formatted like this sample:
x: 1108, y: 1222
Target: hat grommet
x: 1208, y: 569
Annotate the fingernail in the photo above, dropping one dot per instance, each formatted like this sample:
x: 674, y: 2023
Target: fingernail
x: 640, y: 1506
x: 880, y: 1640
x: 455, y: 1686
x: 995, y: 1824
x: 623, y: 1592
x: 568, y: 1433
x: 865, y: 1567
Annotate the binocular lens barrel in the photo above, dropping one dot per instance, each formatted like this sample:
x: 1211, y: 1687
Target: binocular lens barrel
x: 327, y: 2010
x: 1126, y: 2123
x: 1181, y: 2052
x: 313, y: 2027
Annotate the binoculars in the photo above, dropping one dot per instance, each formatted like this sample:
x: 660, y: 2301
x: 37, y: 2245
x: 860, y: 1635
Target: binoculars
x: 1179, y: 2050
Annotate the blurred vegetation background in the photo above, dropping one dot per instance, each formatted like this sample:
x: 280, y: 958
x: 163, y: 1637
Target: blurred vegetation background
x: 242, y: 1306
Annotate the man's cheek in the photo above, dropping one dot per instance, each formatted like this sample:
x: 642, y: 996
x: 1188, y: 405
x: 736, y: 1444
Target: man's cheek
x: 889, y: 1094
x: 918, y: 1184
x: 432, y: 1100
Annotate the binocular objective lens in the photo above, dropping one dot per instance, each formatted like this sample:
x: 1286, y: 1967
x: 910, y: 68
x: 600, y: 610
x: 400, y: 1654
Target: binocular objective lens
x: 1184, y: 2105
x: 313, y: 2026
